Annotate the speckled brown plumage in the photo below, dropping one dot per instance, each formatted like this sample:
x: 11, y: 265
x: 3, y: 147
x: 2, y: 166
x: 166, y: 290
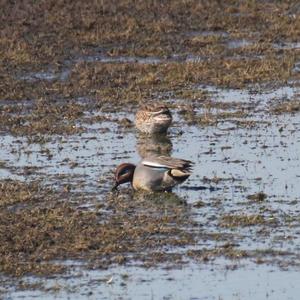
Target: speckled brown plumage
x: 154, y: 118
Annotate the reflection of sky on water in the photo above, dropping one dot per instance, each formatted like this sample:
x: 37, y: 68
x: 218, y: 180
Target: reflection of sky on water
x: 190, y: 282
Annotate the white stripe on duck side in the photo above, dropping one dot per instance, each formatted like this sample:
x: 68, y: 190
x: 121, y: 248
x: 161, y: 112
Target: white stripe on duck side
x: 167, y: 162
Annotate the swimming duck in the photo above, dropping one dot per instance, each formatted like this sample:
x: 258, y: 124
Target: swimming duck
x: 153, y: 119
x: 156, y: 173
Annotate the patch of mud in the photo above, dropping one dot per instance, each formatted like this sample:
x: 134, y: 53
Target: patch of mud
x: 68, y: 98
x: 290, y: 106
x: 33, y: 238
x: 79, y: 168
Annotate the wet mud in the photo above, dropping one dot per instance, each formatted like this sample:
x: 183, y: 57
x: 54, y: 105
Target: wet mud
x: 73, y: 76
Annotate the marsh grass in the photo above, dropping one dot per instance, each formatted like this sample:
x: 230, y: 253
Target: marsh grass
x: 39, y: 225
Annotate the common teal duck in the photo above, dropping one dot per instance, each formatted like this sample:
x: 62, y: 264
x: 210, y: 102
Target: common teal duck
x: 153, y: 118
x: 160, y: 173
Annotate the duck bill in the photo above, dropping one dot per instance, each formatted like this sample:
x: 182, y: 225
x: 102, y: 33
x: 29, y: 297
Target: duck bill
x: 115, y: 187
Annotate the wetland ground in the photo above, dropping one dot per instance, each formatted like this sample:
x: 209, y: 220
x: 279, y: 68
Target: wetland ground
x: 72, y: 76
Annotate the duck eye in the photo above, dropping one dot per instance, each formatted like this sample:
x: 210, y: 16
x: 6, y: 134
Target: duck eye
x: 123, y: 172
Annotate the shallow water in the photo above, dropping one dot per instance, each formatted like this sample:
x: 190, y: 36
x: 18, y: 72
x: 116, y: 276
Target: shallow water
x: 48, y: 75
x: 190, y: 282
x: 287, y: 45
x: 206, y: 33
x: 232, y: 161
x: 234, y: 44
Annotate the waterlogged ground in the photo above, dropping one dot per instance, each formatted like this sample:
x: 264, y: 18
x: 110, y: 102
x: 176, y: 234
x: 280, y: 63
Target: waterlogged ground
x: 67, y: 106
x: 242, y: 203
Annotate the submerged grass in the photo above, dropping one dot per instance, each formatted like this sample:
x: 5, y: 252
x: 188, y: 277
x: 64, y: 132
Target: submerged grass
x: 289, y: 106
x: 34, y: 235
x: 40, y: 228
x: 17, y: 192
x: 141, y: 28
x: 221, y: 43
x: 228, y: 44
x: 170, y: 29
x: 242, y: 220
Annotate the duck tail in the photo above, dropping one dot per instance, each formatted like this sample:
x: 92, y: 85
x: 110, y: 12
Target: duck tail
x: 179, y: 174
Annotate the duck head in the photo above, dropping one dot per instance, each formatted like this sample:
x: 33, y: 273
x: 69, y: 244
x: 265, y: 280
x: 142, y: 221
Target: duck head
x: 123, y: 174
x: 161, y: 115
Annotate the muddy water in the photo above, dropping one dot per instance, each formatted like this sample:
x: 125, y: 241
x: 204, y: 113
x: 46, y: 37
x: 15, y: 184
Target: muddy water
x: 232, y: 162
x: 194, y: 282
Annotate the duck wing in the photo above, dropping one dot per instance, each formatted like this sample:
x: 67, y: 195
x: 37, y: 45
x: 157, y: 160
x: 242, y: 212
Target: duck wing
x: 168, y: 163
